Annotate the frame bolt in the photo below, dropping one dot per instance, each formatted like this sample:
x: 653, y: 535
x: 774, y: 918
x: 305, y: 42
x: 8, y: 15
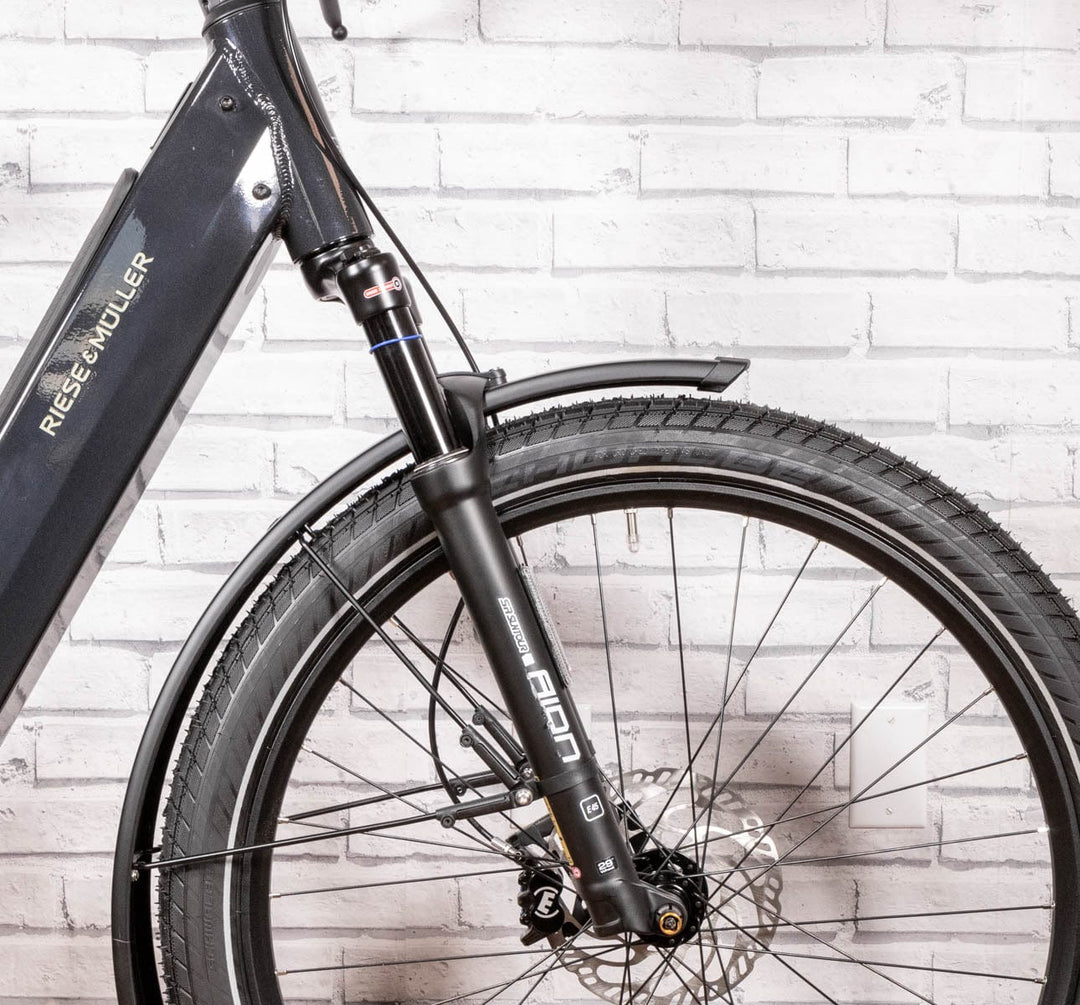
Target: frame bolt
x: 262, y: 191
x: 227, y: 103
x: 522, y: 796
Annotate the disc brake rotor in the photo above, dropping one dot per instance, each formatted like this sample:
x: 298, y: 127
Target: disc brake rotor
x: 729, y: 836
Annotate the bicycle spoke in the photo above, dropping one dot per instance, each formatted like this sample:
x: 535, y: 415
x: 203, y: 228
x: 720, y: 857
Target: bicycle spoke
x: 724, y: 695
x: 414, y: 962
x: 558, y: 952
x: 704, y: 977
x: 775, y: 616
x: 725, y: 994
x: 858, y: 918
x: 746, y: 669
x: 610, y: 672
x: 498, y: 988
x: 561, y: 952
x: 626, y: 971
x: 701, y: 948
x: 866, y: 788
x: 842, y: 952
x: 455, y: 677
x: 790, y: 954
x: 306, y: 539
x: 689, y: 990
x: 802, y: 685
x: 658, y: 973
x: 403, y: 731
x: 870, y: 853
x: 391, y: 883
x: 682, y: 655
x: 718, y: 788
x: 763, y: 948
x: 926, y: 782
x: 383, y: 835
x: 382, y: 788
x: 308, y: 823
x: 873, y: 708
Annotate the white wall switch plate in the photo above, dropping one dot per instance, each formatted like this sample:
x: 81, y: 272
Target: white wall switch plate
x: 890, y: 733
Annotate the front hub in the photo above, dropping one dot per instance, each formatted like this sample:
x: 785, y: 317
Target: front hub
x: 680, y: 919
x: 725, y: 885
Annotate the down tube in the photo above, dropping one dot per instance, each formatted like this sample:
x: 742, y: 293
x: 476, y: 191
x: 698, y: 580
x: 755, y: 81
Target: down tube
x: 106, y: 379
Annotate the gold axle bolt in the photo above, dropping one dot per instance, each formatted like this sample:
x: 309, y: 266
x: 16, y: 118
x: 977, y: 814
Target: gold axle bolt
x: 670, y: 920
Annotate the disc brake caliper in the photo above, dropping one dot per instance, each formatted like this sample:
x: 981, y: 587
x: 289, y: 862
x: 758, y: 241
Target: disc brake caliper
x: 540, y: 899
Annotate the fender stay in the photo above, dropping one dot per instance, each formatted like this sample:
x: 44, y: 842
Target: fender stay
x: 133, y: 942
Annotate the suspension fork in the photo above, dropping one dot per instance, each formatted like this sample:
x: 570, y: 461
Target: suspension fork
x: 444, y: 423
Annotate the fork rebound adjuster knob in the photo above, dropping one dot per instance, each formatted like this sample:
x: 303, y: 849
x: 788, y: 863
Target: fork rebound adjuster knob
x: 373, y: 285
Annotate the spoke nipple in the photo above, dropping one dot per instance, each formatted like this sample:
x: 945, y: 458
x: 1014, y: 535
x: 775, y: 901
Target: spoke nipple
x: 1043, y: 830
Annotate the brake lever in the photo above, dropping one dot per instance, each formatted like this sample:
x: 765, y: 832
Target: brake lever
x: 331, y: 12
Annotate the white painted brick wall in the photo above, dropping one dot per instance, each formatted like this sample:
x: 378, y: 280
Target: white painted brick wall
x: 873, y: 199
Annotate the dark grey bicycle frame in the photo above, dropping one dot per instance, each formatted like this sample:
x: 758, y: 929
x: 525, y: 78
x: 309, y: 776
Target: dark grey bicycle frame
x: 145, y: 310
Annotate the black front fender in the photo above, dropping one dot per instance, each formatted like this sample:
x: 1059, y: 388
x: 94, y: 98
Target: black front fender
x: 133, y: 948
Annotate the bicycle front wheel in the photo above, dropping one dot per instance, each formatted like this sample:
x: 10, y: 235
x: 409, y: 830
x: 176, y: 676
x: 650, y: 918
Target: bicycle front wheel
x: 834, y: 702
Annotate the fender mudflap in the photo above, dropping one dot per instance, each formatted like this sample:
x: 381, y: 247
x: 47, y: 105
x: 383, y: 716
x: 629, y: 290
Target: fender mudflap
x: 133, y: 941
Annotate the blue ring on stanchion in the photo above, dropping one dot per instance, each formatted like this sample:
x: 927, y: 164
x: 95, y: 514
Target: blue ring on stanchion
x: 393, y: 341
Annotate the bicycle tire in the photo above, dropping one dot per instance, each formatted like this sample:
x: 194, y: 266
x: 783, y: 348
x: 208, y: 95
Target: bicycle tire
x: 672, y: 459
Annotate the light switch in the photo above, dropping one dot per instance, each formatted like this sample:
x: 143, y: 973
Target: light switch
x: 891, y: 732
